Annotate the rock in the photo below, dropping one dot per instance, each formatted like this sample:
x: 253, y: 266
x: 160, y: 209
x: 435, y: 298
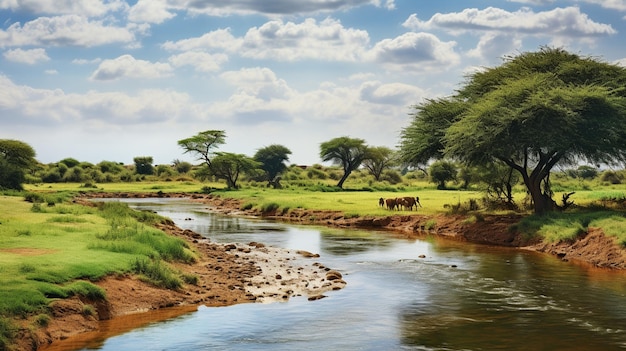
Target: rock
x: 307, y: 254
x: 333, y: 275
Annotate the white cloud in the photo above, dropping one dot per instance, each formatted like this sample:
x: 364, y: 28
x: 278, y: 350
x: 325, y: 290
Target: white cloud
x: 29, y: 57
x: 327, y: 40
x: 126, y: 66
x: 89, y: 8
x: 218, y: 39
x: 415, y: 51
x: 150, y: 11
x: 55, y: 106
x: 201, y: 61
x: 396, y: 94
x: 66, y: 30
x: 495, y: 45
x: 262, y: 83
x: 566, y: 22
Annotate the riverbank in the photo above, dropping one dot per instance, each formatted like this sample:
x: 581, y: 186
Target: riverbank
x: 244, y: 273
x: 593, y: 248
x: 227, y: 274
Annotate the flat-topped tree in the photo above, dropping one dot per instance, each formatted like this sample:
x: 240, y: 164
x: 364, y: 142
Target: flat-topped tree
x: 536, y: 110
x: 203, y: 144
x: 344, y: 151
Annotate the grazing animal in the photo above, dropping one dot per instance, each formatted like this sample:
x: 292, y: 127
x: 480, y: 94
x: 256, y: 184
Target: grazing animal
x: 408, y: 202
x: 391, y: 203
x: 381, y: 202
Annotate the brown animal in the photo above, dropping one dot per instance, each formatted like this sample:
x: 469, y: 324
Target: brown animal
x: 408, y: 202
x: 391, y: 203
x: 381, y: 202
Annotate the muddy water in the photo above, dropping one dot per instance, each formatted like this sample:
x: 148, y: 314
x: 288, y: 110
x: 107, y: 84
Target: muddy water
x: 457, y: 297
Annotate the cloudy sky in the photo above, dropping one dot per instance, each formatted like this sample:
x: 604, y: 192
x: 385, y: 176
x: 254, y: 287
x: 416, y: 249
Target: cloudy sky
x: 114, y: 79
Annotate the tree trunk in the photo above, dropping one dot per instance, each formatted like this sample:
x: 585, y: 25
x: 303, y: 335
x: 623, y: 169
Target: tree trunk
x: 542, y: 202
x: 343, y: 179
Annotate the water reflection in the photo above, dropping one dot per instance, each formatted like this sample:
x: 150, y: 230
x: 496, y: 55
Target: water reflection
x: 401, y: 294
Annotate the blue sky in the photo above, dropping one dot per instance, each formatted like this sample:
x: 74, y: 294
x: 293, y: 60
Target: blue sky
x: 112, y: 79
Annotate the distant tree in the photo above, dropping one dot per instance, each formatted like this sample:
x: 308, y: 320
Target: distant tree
x: 143, y: 165
x: 587, y: 172
x: 272, y: 159
x: 182, y: 166
x: 344, y: 151
x: 230, y: 166
x: 16, y: 158
x: 535, y: 111
x: 110, y: 167
x: 203, y: 144
x: 441, y: 172
x: 70, y: 162
x: 379, y: 159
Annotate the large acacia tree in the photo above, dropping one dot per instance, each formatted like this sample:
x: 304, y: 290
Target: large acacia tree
x: 229, y: 166
x: 344, y: 151
x: 536, y: 110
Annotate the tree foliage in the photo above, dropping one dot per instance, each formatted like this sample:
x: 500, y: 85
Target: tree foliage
x: 272, y: 159
x: 203, y: 144
x: 344, y: 151
x: 229, y: 166
x: 143, y: 165
x: 442, y: 171
x: 16, y: 157
x: 536, y: 110
x: 380, y: 158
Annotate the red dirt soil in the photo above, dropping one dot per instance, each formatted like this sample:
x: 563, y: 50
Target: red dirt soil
x: 222, y: 276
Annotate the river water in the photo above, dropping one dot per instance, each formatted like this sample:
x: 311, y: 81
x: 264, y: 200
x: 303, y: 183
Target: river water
x: 458, y: 297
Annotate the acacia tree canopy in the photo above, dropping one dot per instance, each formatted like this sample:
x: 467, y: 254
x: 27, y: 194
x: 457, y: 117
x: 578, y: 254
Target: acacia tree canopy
x: 535, y: 111
x: 229, y: 166
x: 203, y: 144
x: 344, y: 151
x: 272, y: 159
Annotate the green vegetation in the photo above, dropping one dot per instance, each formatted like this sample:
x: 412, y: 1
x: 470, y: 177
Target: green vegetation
x: 55, y: 251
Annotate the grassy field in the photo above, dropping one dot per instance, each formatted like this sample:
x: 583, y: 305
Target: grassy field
x: 49, y: 252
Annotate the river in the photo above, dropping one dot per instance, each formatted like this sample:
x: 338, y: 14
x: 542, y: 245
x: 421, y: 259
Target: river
x: 401, y: 295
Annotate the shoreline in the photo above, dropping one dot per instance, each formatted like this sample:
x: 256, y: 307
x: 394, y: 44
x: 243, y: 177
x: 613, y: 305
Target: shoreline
x: 228, y: 274
x: 245, y: 273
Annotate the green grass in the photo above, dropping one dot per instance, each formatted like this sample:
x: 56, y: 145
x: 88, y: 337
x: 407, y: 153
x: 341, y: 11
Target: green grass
x: 59, y: 251
x: 354, y: 202
x: 559, y: 226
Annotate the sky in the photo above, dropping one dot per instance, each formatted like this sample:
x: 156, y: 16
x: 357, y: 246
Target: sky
x: 111, y: 80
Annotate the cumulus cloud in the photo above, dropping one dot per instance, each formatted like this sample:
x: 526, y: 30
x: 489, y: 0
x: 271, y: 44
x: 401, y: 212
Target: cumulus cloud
x: 262, y: 83
x: 217, y: 39
x: 396, y: 94
x: 55, y: 106
x: 89, y: 8
x: 285, y: 41
x: 150, y: 11
x: 126, y: 66
x: 495, y: 45
x: 66, y: 30
x: 415, y: 51
x: 29, y: 57
x: 566, y: 22
x: 328, y: 40
x: 201, y: 61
